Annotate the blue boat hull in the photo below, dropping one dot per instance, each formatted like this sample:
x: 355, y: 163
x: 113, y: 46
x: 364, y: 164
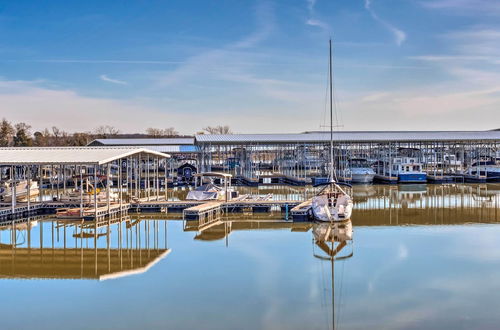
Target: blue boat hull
x: 412, y: 178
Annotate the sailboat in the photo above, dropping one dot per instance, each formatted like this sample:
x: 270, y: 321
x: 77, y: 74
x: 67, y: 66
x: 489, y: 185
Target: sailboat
x: 333, y: 202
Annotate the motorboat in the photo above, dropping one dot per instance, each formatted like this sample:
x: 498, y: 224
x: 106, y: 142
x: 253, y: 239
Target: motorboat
x: 22, y: 190
x: 486, y: 168
x: 361, y: 171
x: 207, y: 191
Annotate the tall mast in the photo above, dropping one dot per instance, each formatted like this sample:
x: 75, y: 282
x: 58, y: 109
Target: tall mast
x: 331, y: 114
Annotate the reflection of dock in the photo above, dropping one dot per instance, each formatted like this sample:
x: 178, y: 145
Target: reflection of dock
x: 219, y: 229
x: 77, y: 263
x: 78, y: 249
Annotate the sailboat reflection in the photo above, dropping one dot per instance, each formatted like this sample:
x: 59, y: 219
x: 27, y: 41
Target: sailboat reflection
x: 101, y: 250
x: 333, y: 239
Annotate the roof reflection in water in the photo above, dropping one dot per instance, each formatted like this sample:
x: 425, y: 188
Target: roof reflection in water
x: 37, y: 248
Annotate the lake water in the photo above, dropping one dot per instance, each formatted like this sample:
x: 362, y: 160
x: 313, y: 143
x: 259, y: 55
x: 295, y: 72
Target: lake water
x: 421, y: 257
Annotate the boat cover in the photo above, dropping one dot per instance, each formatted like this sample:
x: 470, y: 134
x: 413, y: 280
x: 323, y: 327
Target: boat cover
x: 320, y: 208
x: 205, y: 192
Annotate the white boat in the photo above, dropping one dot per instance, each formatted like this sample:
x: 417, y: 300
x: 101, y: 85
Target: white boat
x: 209, y: 190
x: 361, y: 171
x: 333, y: 202
x: 485, y: 168
x: 22, y: 189
x: 408, y: 170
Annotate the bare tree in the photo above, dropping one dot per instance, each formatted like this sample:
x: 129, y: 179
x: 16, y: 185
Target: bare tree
x: 220, y: 129
x: 154, y: 132
x: 161, y: 132
x: 170, y: 131
x: 80, y: 139
x: 106, y: 131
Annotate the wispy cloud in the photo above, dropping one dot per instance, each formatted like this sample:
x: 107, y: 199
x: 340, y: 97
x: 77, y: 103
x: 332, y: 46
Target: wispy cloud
x: 104, y: 77
x: 464, y: 7
x: 264, y: 13
x: 312, y: 20
x: 227, y: 58
x: 84, y: 61
x: 399, y: 35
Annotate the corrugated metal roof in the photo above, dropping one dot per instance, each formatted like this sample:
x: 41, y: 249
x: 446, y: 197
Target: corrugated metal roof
x: 351, y: 136
x: 69, y: 155
x: 142, y: 142
x: 173, y: 149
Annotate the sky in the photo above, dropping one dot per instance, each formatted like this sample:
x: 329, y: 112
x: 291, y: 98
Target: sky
x: 258, y: 66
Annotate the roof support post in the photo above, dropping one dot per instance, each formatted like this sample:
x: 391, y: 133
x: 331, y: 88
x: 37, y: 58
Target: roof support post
x: 147, y: 186
x: 13, y: 191
x: 157, y: 179
x: 119, y: 183
x: 40, y: 188
x: 29, y: 187
x: 95, y: 192
x: 81, y: 190
x: 108, y: 184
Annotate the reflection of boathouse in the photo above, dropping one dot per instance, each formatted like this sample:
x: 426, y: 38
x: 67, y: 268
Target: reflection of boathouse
x: 71, y: 250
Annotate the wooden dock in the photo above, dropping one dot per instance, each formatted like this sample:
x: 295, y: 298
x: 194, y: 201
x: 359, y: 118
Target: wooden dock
x: 301, y: 212
x: 190, y: 209
x: 205, y: 212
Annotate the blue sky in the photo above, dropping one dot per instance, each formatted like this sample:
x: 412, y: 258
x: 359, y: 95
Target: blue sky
x: 259, y: 66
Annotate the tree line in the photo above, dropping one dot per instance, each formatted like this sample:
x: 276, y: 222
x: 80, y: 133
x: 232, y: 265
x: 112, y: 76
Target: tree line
x: 22, y: 135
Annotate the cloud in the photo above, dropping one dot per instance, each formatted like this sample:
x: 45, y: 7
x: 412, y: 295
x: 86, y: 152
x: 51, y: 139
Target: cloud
x: 313, y: 20
x: 399, y: 35
x: 84, y: 61
x: 264, y: 14
x: 31, y: 102
x: 103, y: 77
x: 464, y: 7
x: 227, y: 58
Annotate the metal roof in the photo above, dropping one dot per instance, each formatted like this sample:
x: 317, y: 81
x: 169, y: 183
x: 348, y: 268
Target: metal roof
x: 172, y: 149
x: 351, y: 136
x: 142, y: 142
x: 69, y: 155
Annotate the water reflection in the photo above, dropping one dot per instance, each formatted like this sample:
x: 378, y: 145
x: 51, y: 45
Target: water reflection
x: 46, y: 248
x: 335, y: 241
x: 252, y: 271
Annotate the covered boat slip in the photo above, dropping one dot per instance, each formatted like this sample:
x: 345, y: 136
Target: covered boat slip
x: 304, y: 156
x: 83, y: 178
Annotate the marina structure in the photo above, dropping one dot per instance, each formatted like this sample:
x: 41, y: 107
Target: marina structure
x: 303, y: 158
x: 78, y: 181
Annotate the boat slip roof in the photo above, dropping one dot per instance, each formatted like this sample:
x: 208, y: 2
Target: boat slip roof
x: 142, y: 142
x: 172, y: 149
x: 352, y: 136
x: 70, y: 155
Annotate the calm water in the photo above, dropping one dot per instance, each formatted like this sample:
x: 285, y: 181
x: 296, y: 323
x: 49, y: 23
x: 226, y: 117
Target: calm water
x: 421, y: 257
